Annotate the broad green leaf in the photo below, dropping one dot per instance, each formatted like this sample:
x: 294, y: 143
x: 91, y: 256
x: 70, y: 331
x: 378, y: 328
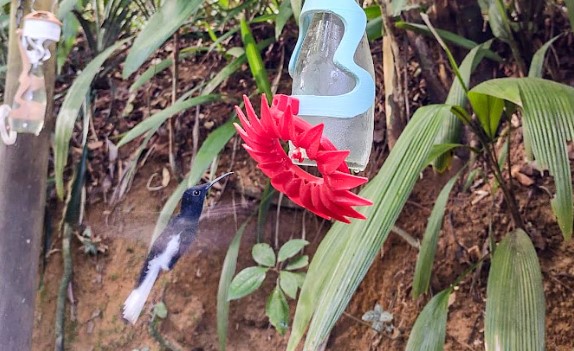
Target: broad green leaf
x: 161, y: 66
x: 440, y: 149
x: 255, y: 61
x: 206, y: 153
x: 548, y: 123
x: 70, y: 28
x: 291, y: 248
x: 570, y: 7
x: 429, y: 331
x: 283, y: 16
x: 69, y: 112
x: 515, y: 307
x: 289, y: 283
x: 277, y: 310
x: 231, y: 68
x: 427, y: 251
x: 374, y: 29
x: 161, y: 25
x: 488, y: 110
x: 347, y: 251
x: 64, y: 7
x: 263, y: 254
x: 298, y: 263
x: 451, y: 129
x: 227, y: 272
x: 296, y: 6
x: 538, y: 59
x: 501, y: 28
x: 448, y: 37
x: 397, y: 6
x: 246, y: 282
x: 159, y: 118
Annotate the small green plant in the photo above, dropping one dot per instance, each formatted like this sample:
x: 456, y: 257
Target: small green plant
x: 288, y: 282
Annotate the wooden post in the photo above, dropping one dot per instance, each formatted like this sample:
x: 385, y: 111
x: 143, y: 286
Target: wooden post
x: 23, y: 175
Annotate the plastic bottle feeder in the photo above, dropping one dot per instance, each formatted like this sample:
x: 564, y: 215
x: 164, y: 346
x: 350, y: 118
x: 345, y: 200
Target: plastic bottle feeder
x: 327, y: 122
x: 28, y: 110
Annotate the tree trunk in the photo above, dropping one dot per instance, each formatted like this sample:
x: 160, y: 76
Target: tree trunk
x: 23, y: 174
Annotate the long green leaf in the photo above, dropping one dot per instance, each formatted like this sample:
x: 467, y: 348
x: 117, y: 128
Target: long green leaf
x: 450, y: 132
x: 447, y: 36
x: 159, y: 118
x: 157, y: 68
x: 227, y: 272
x: 296, y: 6
x: 255, y: 61
x: 344, y: 256
x: 515, y: 307
x: 570, y: 8
x: 206, y: 153
x: 548, y: 123
x: 283, y: 16
x: 69, y: 112
x: 429, y: 331
x: 231, y: 68
x: 427, y: 252
x: 538, y: 59
x: 161, y: 25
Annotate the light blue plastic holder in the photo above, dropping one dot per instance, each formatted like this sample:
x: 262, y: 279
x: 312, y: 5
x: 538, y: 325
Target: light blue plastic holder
x: 361, y: 98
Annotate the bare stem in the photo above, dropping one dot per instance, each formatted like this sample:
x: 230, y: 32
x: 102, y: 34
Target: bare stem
x: 63, y: 289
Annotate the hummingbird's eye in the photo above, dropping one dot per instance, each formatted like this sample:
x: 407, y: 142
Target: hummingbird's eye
x: 196, y: 193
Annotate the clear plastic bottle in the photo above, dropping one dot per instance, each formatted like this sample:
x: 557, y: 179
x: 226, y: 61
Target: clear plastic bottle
x: 31, y: 118
x: 316, y: 74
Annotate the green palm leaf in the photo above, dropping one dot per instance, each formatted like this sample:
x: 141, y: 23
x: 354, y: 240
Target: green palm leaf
x: 548, y: 124
x: 344, y: 256
x: 161, y: 25
x: 429, y: 331
x: 515, y: 297
x: 69, y: 112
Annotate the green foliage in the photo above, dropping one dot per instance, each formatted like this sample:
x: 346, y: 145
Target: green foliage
x: 153, y: 122
x: 427, y: 252
x: 548, y: 123
x: 515, y: 305
x: 287, y: 283
x: 537, y: 64
x: 344, y: 255
x: 291, y: 248
x: 255, y: 61
x: 429, y: 331
x: 263, y: 254
x: 69, y: 112
x: 227, y: 272
x: 160, y: 26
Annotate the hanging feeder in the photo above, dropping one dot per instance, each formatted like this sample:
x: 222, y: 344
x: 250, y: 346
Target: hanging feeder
x: 328, y: 121
x: 28, y: 110
x: 333, y: 76
x: 327, y: 196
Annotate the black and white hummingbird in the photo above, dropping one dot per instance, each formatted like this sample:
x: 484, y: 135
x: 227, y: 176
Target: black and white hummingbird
x: 169, y: 246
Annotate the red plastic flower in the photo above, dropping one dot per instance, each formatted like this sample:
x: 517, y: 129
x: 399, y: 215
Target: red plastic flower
x: 329, y: 196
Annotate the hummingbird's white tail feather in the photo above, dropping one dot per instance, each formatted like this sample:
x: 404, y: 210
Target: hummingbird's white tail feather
x: 135, y: 302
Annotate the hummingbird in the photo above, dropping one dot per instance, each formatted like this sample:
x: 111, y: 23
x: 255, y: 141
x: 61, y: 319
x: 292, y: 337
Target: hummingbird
x: 169, y: 246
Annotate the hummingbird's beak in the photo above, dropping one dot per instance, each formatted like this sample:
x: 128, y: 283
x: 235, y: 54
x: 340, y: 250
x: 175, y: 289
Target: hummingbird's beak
x: 219, y: 178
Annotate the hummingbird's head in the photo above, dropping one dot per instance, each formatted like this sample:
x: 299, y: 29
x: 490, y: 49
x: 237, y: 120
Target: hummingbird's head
x: 193, y: 198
